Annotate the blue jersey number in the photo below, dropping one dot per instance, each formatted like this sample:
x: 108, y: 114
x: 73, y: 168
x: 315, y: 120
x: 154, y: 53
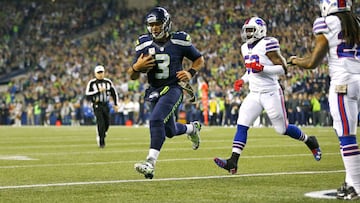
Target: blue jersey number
x: 251, y: 58
x: 346, y: 50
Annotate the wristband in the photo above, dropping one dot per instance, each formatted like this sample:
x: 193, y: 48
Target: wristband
x: 135, y: 71
x: 192, y: 72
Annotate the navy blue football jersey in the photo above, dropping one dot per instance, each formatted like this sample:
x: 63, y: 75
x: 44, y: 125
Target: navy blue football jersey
x: 169, y: 56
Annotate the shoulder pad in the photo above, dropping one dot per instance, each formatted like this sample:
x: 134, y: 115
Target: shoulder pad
x: 143, y: 38
x: 270, y: 39
x: 320, y: 26
x: 143, y: 41
x: 181, y: 35
x: 271, y: 44
x: 181, y: 38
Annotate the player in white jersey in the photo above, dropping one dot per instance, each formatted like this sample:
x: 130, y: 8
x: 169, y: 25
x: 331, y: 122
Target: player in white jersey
x: 263, y: 62
x: 337, y: 36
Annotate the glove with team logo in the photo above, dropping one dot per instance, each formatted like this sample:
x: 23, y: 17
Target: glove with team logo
x: 238, y: 84
x: 255, y: 66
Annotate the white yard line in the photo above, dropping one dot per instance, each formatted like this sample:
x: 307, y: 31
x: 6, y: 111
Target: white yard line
x: 165, y: 179
x: 161, y: 160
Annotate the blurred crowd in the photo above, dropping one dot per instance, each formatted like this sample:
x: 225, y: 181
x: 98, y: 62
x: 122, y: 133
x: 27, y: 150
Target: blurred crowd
x: 49, y: 50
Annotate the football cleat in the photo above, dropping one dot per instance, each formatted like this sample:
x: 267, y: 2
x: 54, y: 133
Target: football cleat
x: 226, y: 164
x: 346, y: 192
x: 146, y: 168
x: 194, y: 137
x: 189, y: 90
x: 100, y: 141
x: 341, y: 192
x: 313, y: 145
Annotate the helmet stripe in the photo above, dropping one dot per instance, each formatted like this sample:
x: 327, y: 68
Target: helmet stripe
x: 341, y: 3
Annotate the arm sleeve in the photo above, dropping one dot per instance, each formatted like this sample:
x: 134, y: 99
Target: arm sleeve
x: 245, y: 78
x: 274, y: 70
x: 89, y: 90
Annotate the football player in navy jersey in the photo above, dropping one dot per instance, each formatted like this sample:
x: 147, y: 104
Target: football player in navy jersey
x: 160, y: 54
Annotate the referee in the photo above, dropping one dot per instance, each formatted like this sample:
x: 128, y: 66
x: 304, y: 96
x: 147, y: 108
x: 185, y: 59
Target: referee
x: 98, y: 91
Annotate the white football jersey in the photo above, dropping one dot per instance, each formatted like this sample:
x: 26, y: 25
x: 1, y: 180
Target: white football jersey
x: 261, y: 81
x: 343, y: 60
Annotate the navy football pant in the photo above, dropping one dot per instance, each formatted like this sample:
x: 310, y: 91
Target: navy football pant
x: 162, y: 118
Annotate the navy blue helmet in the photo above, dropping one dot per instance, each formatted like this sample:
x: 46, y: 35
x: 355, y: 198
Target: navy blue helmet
x: 160, y: 16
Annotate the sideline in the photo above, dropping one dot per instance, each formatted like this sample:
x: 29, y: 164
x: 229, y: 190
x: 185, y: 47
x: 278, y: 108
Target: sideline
x: 165, y: 179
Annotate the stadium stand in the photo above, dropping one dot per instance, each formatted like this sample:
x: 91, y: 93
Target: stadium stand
x: 49, y: 48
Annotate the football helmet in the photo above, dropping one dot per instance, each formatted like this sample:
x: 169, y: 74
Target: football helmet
x: 333, y: 6
x: 253, y: 30
x: 158, y: 15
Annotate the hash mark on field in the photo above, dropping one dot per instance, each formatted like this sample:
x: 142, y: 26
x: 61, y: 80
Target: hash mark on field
x: 16, y: 157
x: 166, y: 179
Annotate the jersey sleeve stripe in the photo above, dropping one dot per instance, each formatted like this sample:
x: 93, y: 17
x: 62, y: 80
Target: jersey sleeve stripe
x: 272, y: 46
x: 181, y: 42
x: 143, y: 45
x: 320, y: 26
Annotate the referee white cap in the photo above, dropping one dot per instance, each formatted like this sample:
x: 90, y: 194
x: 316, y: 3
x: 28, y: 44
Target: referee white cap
x: 99, y: 68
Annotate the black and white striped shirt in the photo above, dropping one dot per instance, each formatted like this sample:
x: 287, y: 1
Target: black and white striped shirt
x: 93, y: 91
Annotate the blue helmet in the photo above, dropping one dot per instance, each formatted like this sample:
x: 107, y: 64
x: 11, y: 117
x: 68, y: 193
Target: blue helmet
x: 159, y: 15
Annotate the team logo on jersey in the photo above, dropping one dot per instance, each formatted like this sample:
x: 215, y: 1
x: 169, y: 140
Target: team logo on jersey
x: 152, y: 51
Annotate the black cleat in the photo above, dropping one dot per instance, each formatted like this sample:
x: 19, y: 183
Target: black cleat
x: 313, y: 145
x: 226, y: 164
x: 346, y: 192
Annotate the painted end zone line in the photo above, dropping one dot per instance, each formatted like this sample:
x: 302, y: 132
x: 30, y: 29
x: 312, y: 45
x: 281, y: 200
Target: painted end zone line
x: 166, y: 179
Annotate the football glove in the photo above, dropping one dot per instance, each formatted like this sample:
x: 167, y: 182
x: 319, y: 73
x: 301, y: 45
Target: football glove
x: 255, y: 66
x: 238, y: 84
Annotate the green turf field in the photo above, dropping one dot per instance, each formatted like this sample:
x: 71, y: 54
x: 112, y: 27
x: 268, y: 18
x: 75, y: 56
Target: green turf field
x: 64, y: 164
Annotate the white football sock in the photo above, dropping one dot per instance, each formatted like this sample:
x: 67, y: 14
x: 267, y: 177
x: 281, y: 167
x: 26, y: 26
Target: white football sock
x: 189, y: 128
x: 352, y: 168
x: 153, y: 155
